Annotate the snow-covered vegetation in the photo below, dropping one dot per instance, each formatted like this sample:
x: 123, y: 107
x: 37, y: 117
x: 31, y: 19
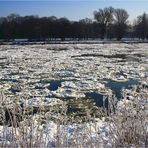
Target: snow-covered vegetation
x: 124, y: 125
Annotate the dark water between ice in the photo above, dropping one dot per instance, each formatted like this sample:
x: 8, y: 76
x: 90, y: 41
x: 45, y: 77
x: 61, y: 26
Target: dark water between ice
x: 97, y: 98
x: 116, y: 87
x: 55, y: 84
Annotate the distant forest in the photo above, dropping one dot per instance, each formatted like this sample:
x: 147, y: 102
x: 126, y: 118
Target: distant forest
x: 108, y: 23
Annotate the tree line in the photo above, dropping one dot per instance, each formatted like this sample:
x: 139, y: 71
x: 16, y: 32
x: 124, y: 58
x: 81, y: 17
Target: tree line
x: 108, y: 23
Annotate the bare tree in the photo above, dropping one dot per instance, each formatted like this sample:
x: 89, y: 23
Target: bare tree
x: 142, y: 26
x: 120, y: 19
x: 104, y: 17
x: 86, y: 27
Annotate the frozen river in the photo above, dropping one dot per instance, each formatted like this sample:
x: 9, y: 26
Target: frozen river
x: 79, y: 74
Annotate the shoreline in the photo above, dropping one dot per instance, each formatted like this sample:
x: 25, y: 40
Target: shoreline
x: 71, y: 42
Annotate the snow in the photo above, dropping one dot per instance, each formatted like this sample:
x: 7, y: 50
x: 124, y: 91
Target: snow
x: 49, y: 132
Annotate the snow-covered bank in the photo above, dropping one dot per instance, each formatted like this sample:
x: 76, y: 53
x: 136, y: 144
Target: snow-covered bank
x: 125, y: 126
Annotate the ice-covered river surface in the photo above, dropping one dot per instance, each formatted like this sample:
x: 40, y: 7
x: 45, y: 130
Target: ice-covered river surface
x: 79, y: 74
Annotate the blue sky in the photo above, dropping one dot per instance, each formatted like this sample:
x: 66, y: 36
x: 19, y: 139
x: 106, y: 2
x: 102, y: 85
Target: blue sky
x: 73, y: 10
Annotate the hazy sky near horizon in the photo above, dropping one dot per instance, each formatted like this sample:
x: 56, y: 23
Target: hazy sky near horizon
x: 73, y: 10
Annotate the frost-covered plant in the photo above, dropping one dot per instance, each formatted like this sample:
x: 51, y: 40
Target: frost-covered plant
x: 23, y: 126
x: 128, y: 126
x: 18, y: 125
x: 125, y: 124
